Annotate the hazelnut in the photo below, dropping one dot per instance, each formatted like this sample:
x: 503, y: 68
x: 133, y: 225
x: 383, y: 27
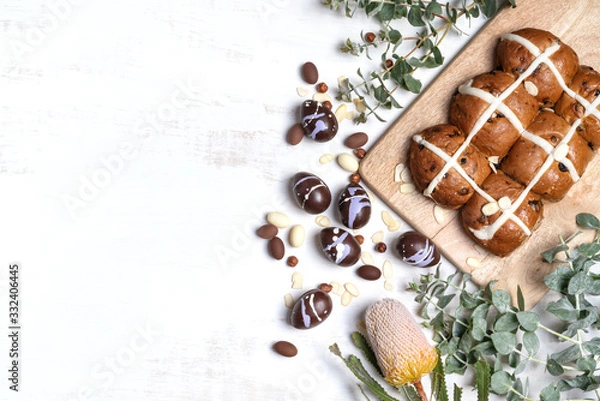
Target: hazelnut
x: 381, y: 247
x: 370, y: 37
x: 388, y: 63
x: 325, y: 287
x: 327, y: 104
x: 322, y: 87
x: 355, y: 178
x: 360, y: 239
x: 360, y: 153
x: 292, y: 261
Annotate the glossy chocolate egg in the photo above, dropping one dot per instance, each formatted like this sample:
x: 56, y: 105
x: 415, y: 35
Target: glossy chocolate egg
x: 310, y: 310
x: 318, y: 122
x: 354, y: 207
x: 416, y: 249
x: 339, y: 246
x: 310, y: 192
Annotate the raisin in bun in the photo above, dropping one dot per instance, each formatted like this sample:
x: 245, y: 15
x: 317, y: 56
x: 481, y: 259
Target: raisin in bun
x: 498, y: 227
x: 429, y: 152
x: 498, y: 132
x: 518, y: 50
x: 544, y: 139
x: 586, y: 84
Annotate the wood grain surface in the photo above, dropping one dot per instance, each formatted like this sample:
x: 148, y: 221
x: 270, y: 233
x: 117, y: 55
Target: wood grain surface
x: 575, y: 22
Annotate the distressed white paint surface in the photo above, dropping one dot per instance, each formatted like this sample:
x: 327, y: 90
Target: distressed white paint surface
x: 141, y: 144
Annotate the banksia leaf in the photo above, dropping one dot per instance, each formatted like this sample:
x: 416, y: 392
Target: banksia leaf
x: 402, y: 351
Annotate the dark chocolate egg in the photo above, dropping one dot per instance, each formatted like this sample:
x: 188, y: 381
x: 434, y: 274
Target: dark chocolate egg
x: 310, y: 310
x: 416, y: 249
x: 310, y: 192
x: 318, y: 122
x: 354, y: 207
x: 339, y: 246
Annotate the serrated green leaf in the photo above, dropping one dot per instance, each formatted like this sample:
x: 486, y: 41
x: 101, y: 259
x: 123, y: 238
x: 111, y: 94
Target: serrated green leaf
x: 362, y: 344
x: 529, y: 321
x: 482, y: 380
x: 457, y: 393
x: 501, y: 382
x: 438, y: 382
x: 587, y: 220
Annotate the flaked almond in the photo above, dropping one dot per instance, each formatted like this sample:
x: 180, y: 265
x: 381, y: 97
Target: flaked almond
x: 346, y: 298
x: 504, y: 202
x: 398, y: 172
x: 288, y: 300
x: 531, y: 88
x: 407, y: 188
x: 367, y: 258
x: 387, y: 284
x: 490, y: 208
x: 302, y: 91
x: 406, y: 175
x: 387, y: 218
x: 352, y: 289
x: 336, y: 288
x: 278, y: 219
x: 349, y: 115
x: 323, y: 221
x: 395, y: 227
x: 297, y: 280
x: 388, y: 270
x: 439, y: 214
x: 340, y: 112
x: 326, y: 158
x: 343, y: 82
x: 359, y: 105
x: 322, y: 97
x: 377, y: 237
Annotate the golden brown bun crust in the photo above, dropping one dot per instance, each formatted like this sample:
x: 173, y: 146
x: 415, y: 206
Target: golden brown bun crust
x: 453, y: 191
x: 526, y: 158
x: 509, y: 236
x: 498, y: 134
x: 585, y: 83
x: 514, y: 58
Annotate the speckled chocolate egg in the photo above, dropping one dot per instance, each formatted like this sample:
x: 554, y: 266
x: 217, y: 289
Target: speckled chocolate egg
x: 339, y: 246
x: 318, y: 122
x: 310, y: 192
x: 310, y: 310
x: 354, y: 207
x: 416, y: 249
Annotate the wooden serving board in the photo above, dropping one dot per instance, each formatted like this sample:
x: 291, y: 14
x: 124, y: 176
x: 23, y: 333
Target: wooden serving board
x: 576, y: 23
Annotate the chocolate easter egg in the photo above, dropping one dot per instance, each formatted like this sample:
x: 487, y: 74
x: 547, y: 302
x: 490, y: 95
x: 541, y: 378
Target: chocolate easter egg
x: 416, y: 249
x: 318, y: 122
x: 310, y: 192
x: 310, y: 310
x: 354, y: 207
x: 339, y: 246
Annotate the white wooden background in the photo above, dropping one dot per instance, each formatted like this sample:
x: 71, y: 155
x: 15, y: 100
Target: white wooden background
x: 141, y: 144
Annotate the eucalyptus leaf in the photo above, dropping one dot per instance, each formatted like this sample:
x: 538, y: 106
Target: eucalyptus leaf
x: 550, y: 393
x: 587, y: 220
x: 501, y: 300
x: 531, y: 342
x: 529, y: 320
x: 504, y: 342
x: 501, y: 382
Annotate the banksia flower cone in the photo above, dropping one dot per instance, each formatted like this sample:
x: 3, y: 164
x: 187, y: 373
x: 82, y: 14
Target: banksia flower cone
x: 402, y: 351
